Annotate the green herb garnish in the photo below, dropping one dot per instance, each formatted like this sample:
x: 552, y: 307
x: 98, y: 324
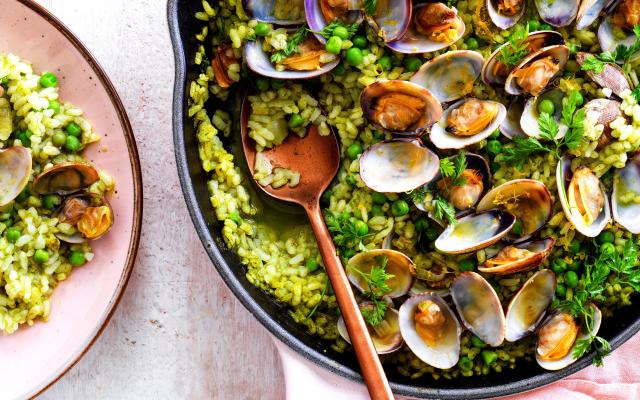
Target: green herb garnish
x: 327, y: 31
x: 370, y: 6
x: 454, y: 169
x: 636, y: 94
x: 443, y: 210
x: 516, y: 48
x: 620, y: 56
x: 376, y: 281
x: 345, y: 233
x: 292, y: 45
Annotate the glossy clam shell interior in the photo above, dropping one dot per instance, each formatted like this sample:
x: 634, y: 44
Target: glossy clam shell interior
x: 529, y: 304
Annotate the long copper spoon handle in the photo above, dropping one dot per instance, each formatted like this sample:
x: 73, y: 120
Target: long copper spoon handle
x: 372, y: 372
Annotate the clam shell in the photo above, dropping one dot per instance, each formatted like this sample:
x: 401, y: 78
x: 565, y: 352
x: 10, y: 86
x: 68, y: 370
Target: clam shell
x: 569, y: 359
x: 262, y: 10
x: 391, y: 21
x: 560, y: 52
x: 529, y: 200
x: 540, y: 249
x: 612, y: 77
x: 627, y: 179
x: 450, y: 76
x: 259, y: 62
x: 420, y: 287
x: 398, y: 265
x: 317, y: 21
x: 447, y: 352
x: 510, y: 127
x: 15, y: 171
x: 479, y: 307
x: 588, y: 12
x: 384, y: 345
x: 528, y: 306
x: 557, y: 13
x: 445, y: 140
x: 398, y: 165
x: 413, y: 42
x: 475, y: 232
x: 530, y: 114
x: 65, y: 178
x: 608, y: 41
x: 563, y: 178
x: 500, y: 20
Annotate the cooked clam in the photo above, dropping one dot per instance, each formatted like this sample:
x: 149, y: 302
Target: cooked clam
x: 505, y: 13
x: 467, y: 122
x: 625, y: 200
x: 385, y: 336
x: 583, y: 200
x: 520, y: 257
x: 612, y: 76
x: 223, y: 59
x: 535, y: 72
x: 475, y: 232
x: 398, y: 165
x: 627, y: 14
x: 466, y: 195
x: 90, y: 214
x: 530, y: 114
x: 431, y: 330
x: 15, y: 170
x: 528, y: 306
x: 395, y: 263
x: 65, y: 178
x: 390, y: 19
x: 527, y: 199
x: 479, y: 307
x: 450, y: 76
x: 263, y: 10
x: 557, y: 13
x: 557, y: 337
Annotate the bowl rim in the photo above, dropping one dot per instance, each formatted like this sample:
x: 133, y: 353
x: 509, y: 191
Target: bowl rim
x: 226, y: 271
x: 134, y: 160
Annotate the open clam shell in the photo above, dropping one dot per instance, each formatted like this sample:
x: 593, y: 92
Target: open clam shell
x: 529, y: 305
x: 588, y: 12
x: 443, y: 348
x: 450, y: 76
x: 413, y: 42
x: 263, y: 10
x: 90, y: 214
x: 558, y: 53
x: 477, y: 179
x: 65, y: 178
x: 319, y: 14
x: 259, y: 62
x: 443, y: 139
x: 520, y: 257
x: 399, y: 106
x: 564, y: 175
x: 397, y: 264
x: 511, y: 127
x: 608, y: 40
x: 391, y: 19
x: 386, y: 336
x: 398, y: 165
x: 626, y: 189
x: 530, y: 114
x: 479, y: 307
x: 502, y: 20
x: 612, y: 76
x: 15, y: 171
x: 495, y: 73
x: 475, y: 232
x: 557, y: 13
x: 554, y: 336
x: 527, y: 199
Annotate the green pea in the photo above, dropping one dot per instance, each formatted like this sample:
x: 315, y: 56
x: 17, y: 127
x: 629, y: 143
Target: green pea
x: 608, y: 248
x: 494, y: 147
x: 533, y: 25
x: 13, y: 234
x: 431, y: 234
x: 360, y: 41
x: 48, y: 80
x: 561, y: 290
x: 24, y: 195
x: 571, y: 279
x: 362, y: 228
x: 606, y: 237
x: 55, y: 106
x: 472, y: 43
x: 334, y: 45
x: 59, y: 139
x: 51, y: 201
x: 488, y: 356
x: 262, y: 84
x: 72, y: 144
x: 412, y: 63
x: 348, y: 253
x: 495, y: 134
x: 477, y: 342
x: 465, y: 364
x: 351, y: 180
x: 399, y: 208
x: 340, y: 70
x: 24, y: 137
x: 277, y: 84
x: 545, y: 27
x: 578, y: 96
x: 312, y: 264
x: 262, y: 29
x: 385, y: 63
x: 235, y: 217
x: 73, y: 129
x: 558, y: 266
x: 295, y: 121
x: 547, y: 107
x: 421, y: 224
x: 574, y: 247
x: 378, y: 198
x: 77, y: 258
x: 517, y: 227
x: 341, y: 32
x: 466, y: 265
x: 376, y: 210
x: 354, y: 56
x: 354, y: 151
x: 41, y: 256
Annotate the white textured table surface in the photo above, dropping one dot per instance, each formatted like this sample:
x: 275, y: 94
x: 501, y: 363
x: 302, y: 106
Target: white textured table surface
x: 178, y: 333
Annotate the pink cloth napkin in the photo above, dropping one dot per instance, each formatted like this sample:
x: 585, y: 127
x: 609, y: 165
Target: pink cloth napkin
x: 619, y: 379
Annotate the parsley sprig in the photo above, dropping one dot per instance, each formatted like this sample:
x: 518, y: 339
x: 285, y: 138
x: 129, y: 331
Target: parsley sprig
x: 454, y: 169
x: 620, y: 56
x: 292, y: 45
x: 516, y: 48
x: 344, y: 231
x: 327, y: 31
x: 376, y: 281
x: 636, y: 94
x: 443, y: 210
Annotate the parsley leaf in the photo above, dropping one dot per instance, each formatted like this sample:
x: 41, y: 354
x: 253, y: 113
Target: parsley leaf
x: 636, y: 94
x: 621, y: 55
x: 292, y: 45
x: 375, y: 316
x: 454, y: 169
x: 370, y: 6
x: 344, y: 231
x: 516, y: 49
x: 327, y: 31
x: 548, y: 127
x: 443, y: 210
x: 376, y: 281
x: 447, y: 167
x: 418, y: 195
x: 522, y: 149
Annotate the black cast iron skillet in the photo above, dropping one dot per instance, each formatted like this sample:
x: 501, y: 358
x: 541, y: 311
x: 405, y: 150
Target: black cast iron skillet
x: 183, y: 27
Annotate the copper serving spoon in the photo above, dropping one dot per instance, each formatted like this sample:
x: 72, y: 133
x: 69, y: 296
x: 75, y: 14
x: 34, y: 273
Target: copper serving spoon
x: 317, y: 159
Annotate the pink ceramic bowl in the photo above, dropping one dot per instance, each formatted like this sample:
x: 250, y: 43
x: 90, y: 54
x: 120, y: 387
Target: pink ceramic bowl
x: 35, y: 357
